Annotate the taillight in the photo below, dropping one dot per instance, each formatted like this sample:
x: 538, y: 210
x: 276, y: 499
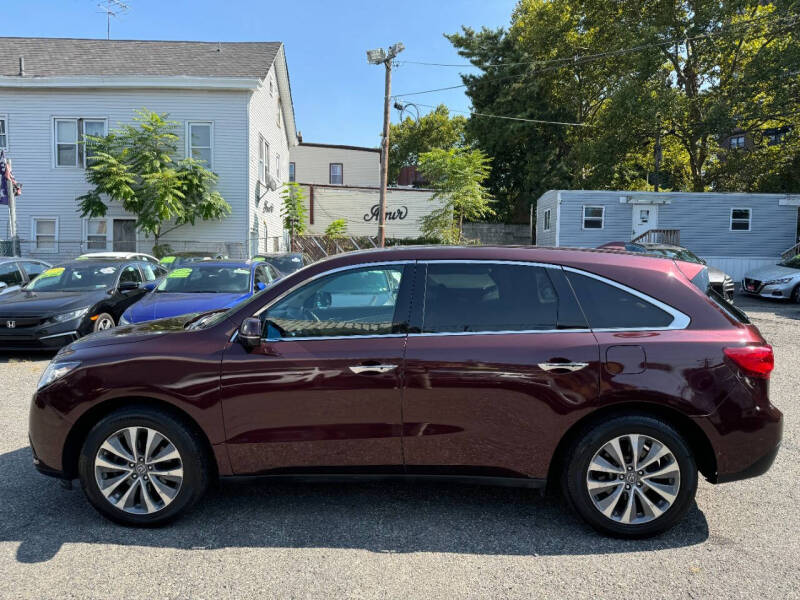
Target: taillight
x: 755, y: 361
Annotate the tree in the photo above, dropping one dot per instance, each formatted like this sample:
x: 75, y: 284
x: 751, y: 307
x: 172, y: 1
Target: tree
x: 293, y: 211
x: 410, y: 138
x: 691, y: 73
x: 457, y: 178
x: 336, y: 229
x: 136, y: 166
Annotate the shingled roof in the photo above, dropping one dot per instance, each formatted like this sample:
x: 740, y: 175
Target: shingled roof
x: 61, y: 57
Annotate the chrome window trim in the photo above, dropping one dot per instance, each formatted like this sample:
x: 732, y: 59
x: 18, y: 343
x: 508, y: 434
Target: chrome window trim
x: 504, y: 332
x: 325, y: 274
x: 679, y: 319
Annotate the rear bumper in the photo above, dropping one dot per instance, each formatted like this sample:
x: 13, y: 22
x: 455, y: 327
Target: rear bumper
x: 759, y: 467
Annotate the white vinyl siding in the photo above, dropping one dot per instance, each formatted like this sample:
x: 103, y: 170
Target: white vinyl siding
x: 593, y: 217
x: 363, y: 167
x: 740, y: 219
x: 44, y: 233
x: 3, y: 132
x: 200, y: 140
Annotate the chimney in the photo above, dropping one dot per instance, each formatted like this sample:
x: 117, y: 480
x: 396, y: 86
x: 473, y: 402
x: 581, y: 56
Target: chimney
x: 22, y: 66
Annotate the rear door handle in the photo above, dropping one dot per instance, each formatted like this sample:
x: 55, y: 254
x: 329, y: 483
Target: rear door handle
x: 563, y: 366
x: 371, y: 369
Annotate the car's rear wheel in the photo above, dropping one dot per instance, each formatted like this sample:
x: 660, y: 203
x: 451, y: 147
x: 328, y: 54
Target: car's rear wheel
x: 630, y: 476
x: 103, y: 321
x: 142, y: 466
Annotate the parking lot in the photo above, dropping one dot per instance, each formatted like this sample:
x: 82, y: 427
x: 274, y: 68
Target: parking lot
x: 741, y: 540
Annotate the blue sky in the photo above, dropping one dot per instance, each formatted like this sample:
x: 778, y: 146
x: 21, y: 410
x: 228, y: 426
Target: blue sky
x: 338, y: 97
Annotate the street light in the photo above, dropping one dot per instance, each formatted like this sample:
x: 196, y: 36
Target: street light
x: 379, y: 56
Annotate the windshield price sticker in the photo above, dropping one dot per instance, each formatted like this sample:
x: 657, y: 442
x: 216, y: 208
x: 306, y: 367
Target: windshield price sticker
x: 179, y: 274
x: 107, y: 270
x: 241, y: 271
x: 55, y: 272
x: 167, y: 260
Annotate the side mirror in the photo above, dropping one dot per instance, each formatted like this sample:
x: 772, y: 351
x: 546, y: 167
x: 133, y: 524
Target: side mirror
x: 250, y: 333
x: 151, y: 285
x: 261, y: 286
x: 128, y: 286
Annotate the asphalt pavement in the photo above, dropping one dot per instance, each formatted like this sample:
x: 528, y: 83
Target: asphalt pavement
x: 400, y: 540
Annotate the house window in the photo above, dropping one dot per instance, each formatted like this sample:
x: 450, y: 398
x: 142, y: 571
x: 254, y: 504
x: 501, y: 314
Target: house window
x: 291, y: 172
x: 593, y: 217
x: 200, y: 142
x: 279, y: 116
x: 336, y: 173
x: 278, y: 166
x: 70, y: 138
x: 547, y: 220
x: 736, y: 141
x: 740, y: 219
x: 263, y: 159
x: 45, y: 233
x: 96, y: 234
x: 3, y: 133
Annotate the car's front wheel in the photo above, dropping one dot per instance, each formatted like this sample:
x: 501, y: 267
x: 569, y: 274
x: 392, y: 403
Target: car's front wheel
x: 103, y: 321
x: 142, y: 466
x: 630, y: 476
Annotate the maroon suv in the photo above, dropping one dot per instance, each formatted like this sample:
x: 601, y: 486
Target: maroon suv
x: 614, y: 376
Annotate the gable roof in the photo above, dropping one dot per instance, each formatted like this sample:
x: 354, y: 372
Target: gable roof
x: 64, y: 57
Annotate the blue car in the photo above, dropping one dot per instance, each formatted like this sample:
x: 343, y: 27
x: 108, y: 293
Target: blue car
x: 201, y: 287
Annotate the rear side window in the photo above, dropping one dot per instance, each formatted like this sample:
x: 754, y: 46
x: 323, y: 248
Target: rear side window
x: 608, y: 307
x: 475, y: 297
x: 9, y: 274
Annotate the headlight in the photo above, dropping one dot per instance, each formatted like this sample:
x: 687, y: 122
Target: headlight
x: 55, y: 370
x: 69, y: 316
x: 782, y: 280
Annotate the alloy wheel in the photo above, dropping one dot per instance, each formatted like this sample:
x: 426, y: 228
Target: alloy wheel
x: 104, y: 323
x: 633, y: 479
x: 138, y: 470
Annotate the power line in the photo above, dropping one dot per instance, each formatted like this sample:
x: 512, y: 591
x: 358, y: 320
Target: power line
x: 523, y: 119
x: 579, y: 60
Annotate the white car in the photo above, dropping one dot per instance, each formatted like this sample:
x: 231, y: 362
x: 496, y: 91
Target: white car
x: 119, y: 256
x: 781, y: 281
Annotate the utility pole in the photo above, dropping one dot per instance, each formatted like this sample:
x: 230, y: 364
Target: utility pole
x: 112, y: 8
x: 384, y: 57
x: 657, y: 157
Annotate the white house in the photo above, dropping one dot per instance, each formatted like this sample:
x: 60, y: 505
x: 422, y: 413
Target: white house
x: 343, y: 182
x: 233, y: 106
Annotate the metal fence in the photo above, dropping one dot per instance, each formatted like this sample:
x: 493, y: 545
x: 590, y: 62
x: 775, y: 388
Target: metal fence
x: 60, y: 250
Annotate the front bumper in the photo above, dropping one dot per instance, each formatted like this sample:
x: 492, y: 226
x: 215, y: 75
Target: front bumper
x: 47, y: 336
x: 779, y: 291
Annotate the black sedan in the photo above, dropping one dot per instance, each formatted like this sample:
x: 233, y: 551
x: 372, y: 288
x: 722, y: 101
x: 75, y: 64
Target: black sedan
x: 287, y: 262
x: 69, y: 301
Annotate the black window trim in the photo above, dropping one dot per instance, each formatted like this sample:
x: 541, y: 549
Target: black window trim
x: 367, y: 265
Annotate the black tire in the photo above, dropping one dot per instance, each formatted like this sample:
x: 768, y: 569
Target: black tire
x: 796, y: 294
x: 103, y: 318
x: 186, y: 440
x: 592, y: 439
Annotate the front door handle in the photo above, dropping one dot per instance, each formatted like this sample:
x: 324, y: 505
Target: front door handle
x: 563, y: 366
x: 371, y: 369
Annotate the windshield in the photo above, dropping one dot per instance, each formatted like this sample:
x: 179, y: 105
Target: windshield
x: 793, y: 262
x: 286, y: 264
x: 75, y: 278
x: 678, y: 254
x: 210, y: 319
x: 206, y: 279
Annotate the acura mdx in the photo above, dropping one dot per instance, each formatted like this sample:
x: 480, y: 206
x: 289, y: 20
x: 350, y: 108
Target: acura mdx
x: 614, y: 378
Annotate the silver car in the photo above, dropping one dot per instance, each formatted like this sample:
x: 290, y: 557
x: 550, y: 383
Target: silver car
x: 781, y: 281
x: 718, y: 280
x: 16, y: 272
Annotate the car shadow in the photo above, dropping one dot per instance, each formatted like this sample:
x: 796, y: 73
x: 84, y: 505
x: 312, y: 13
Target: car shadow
x: 393, y: 517
x: 7, y: 356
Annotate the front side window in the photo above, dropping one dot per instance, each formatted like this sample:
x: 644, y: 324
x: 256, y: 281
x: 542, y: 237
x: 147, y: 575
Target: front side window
x: 45, y: 233
x: 33, y: 268
x: 200, y: 139
x: 3, y: 134
x: 593, y: 217
x: 353, y: 302
x: 96, y: 234
x: 336, y: 172
x: 130, y: 274
x: 609, y: 307
x: 492, y: 297
x: 740, y: 219
x: 9, y: 274
x: 547, y: 220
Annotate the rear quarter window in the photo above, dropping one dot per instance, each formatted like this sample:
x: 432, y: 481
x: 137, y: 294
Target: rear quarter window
x: 609, y: 307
